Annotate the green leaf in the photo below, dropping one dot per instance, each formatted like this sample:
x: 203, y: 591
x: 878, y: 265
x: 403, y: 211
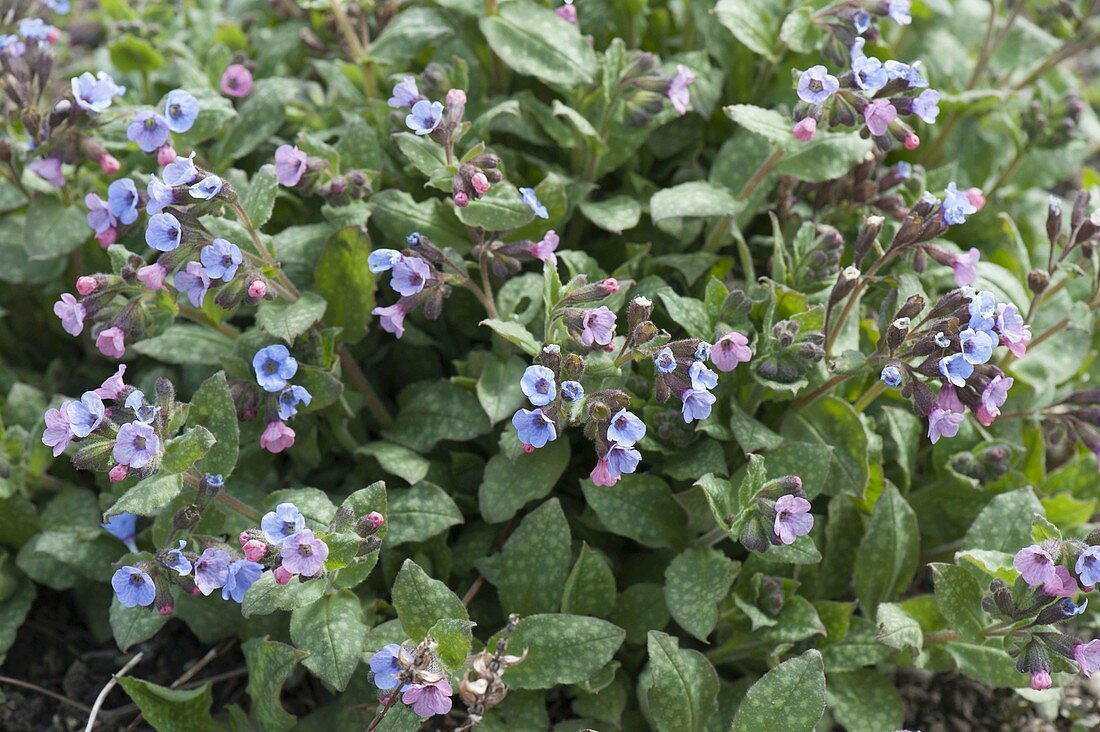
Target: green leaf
x: 561, y: 649
x: 498, y: 388
x: 133, y: 625
x: 149, y: 496
x: 898, y: 629
x: 181, y: 452
x: 687, y: 312
x: 508, y: 485
x: 959, y: 598
x: 696, y: 582
x: 129, y: 53
x: 424, y: 153
x: 419, y: 513
x: 420, y: 601
x: 989, y: 664
x: 498, y: 210
x: 755, y: 23
x: 515, y: 333
x: 438, y: 411
x: 454, y: 638
x: 258, y: 118
x: 535, y: 41
x: 639, y: 609
x: 397, y: 460
x: 171, y: 710
x: 332, y: 631
x: 590, y: 587
x: 288, y: 320
x: 534, y: 562
x: 639, y: 507
x: 212, y: 406
x: 14, y: 609
x: 266, y: 596
x: 691, y: 200
x: 828, y: 156
x: 409, y: 33
x: 832, y: 422
x: 616, y: 214
x: 343, y: 278
x: 52, y: 229
x: 889, y: 551
x: 766, y: 123
x: 795, y: 688
x: 259, y: 200
x: 396, y: 214
x: 1004, y: 524
x: 865, y: 701
x: 270, y: 664
x: 187, y: 344
x: 681, y: 688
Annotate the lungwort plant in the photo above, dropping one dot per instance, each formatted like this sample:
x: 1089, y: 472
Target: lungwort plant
x: 618, y: 364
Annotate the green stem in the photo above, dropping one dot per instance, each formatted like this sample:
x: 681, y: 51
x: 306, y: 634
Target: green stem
x: 762, y: 172
x: 358, y: 379
x: 197, y: 316
x: 869, y: 396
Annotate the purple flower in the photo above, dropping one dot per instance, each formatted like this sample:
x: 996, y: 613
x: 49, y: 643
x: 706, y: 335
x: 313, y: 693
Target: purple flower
x: 910, y: 72
x: 152, y: 275
x: 174, y: 559
x: 286, y: 520
x: 277, y: 436
x: 665, y: 361
x: 181, y: 171
x: 94, y: 94
x: 180, y: 109
x: 290, y: 165
x: 424, y: 117
x: 696, y: 404
x: 383, y: 260
x: 111, y: 342
x: 899, y: 11
x: 956, y: 369
x: 1087, y: 656
x: 621, y: 459
x: 572, y: 390
x: 964, y: 267
x: 533, y: 427
x: 532, y: 200
x: 943, y: 423
x: 405, y: 94
x: 274, y: 366
x: 544, y: 249
x: 1014, y: 332
x: 792, y: 518
x: 206, y: 188
x: 816, y: 85
x: 1063, y: 584
x: 85, y: 415
x: 891, y: 376
x: 392, y: 318
x: 211, y: 570
x: 625, y: 429
x: 134, y: 587
x: 144, y: 412
x: 1035, y: 563
x: 956, y: 205
x: 49, y: 170
x: 113, y: 386
x: 236, y: 81
x: 927, y: 105
x: 122, y: 200
x: 163, y: 232
x: 701, y: 377
x: 136, y: 446
x: 409, y: 275
x: 538, y: 385
x: 977, y: 345
x: 993, y: 397
x: 72, y: 312
x: 1088, y: 566
x: 290, y: 398
x: 387, y: 665
x: 303, y: 553
x: 879, y: 114
x: 427, y: 700
x: 221, y: 259
x: 240, y: 575
x: 123, y: 526
x: 193, y: 281
x: 729, y: 351
x: 149, y: 130
x: 597, y: 327
x: 678, y: 89
x: 99, y: 214
x: 869, y: 74
x: 57, y: 433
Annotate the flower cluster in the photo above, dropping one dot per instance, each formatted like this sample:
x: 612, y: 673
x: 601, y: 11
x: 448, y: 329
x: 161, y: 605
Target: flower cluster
x: 778, y: 514
x: 275, y: 367
x: 309, y: 174
x: 482, y: 686
x: 413, y: 674
x: 151, y: 130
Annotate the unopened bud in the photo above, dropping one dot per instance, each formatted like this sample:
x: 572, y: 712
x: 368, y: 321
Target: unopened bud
x: 866, y: 238
x: 86, y: 284
x: 1054, y: 219
x: 1037, y: 280
x: 257, y: 289
x: 166, y: 155
x: 480, y: 183
x: 254, y: 550
x: 845, y: 283
x: 897, y: 332
x: 108, y: 163
x: 282, y: 575
x: 911, y: 308
x: 461, y: 199
x: 118, y: 473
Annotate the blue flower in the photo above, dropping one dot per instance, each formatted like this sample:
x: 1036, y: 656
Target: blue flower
x: 405, y: 94
x: 221, y: 259
x: 61, y: 7
x: 241, y: 575
x: 35, y: 29
x: 94, y: 94
x: 274, y: 366
x: 216, y: 481
x: 532, y: 201
x: 903, y: 170
x: 122, y: 526
x: 983, y: 310
x: 899, y: 11
x: 206, y: 188
x: 910, y: 72
x: 413, y: 239
x: 869, y: 74
x: 136, y: 445
x: 290, y: 398
x: 572, y: 390
x: 696, y: 404
x: 134, y: 587
x: 701, y: 376
x: 816, y: 85
x: 956, y: 369
x: 383, y: 260
x: 144, y: 412
x: 622, y: 459
x: 1088, y: 566
x: 409, y: 275
x: 181, y: 109
x: 665, y: 360
x: 160, y: 196
x: 956, y: 206
x: 181, y: 171
x: 85, y: 415
x: 194, y: 282
x: 1069, y: 608
x: 175, y: 559
x: 163, y: 232
x: 533, y: 427
x: 861, y: 21
x: 424, y: 117
x: 977, y: 345
x: 149, y: 130
x: 122, y: 200
x: 927, y: 105
x: 282, y: 523
x: 625, y: 429
x: 538, y: 385
x: 387, y: 665
x: 891, y: 376
x: 702, y: 351
x: 211, y: 570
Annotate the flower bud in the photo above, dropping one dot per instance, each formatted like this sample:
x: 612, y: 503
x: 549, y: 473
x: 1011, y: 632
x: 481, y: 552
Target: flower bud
x: 911, y: 142
x: 254, y: 550
x: 845, y: 283
x: 897, y: 332
x: 108, y: 163
x: 805, y: 130
x: 480, y: 183
x: 166, y: 154
x: 640, y: 309
x: 866, y: 238
x: 86, y: 284
x: 462, y: 200
x: 754, y: 536
x: 282, y: 575
x: 1054, y: 219
x: 257, y: 289
x: 118, y: 473
x: 1080, y: 209
x: 1037, y: 280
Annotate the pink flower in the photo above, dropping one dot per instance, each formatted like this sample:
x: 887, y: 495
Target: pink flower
x: 568, y: 13
x: 597, y: 326
x: 290, y: 165
x: 277, y: 437
x: 948, y: 399
x: 109, y: 164
x: 974, y: 195
x: 601, y: 474
x: 965, y: 267
x: 943, y: 423
x: 912, y: 142
x: 456, y: 96
x: 879, y: 114
x: 429, y: 699
x: 282, y: 576
x: 118, y: 473
x: 86, y: 285
x: 236, y: 81
x: 678, y: 90
x: 1040, y: 680
x: 72, y: 312
x: 376, y: 519
x: 49, y: 170
x: 1015, y: 334
x: 610, y: 284
x: 1035, y: 564
x: 729, y: 351
x: 392, y: 318
x: 166, y: 154
x: 107, y: 237
x: 303, y: 553
x: 792, y: 518
x: 480, y: 183
x: 57, y: 434
x: 254, y: 550
x: 152, y: 275
x: 1087, y: 656
x: 993, y: 398
x: 257, y: 289
x: 1063, y: 584
x: 545, y: 248
x: 113, y: 387
x: 805, y: 130
x: 462, y: 199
